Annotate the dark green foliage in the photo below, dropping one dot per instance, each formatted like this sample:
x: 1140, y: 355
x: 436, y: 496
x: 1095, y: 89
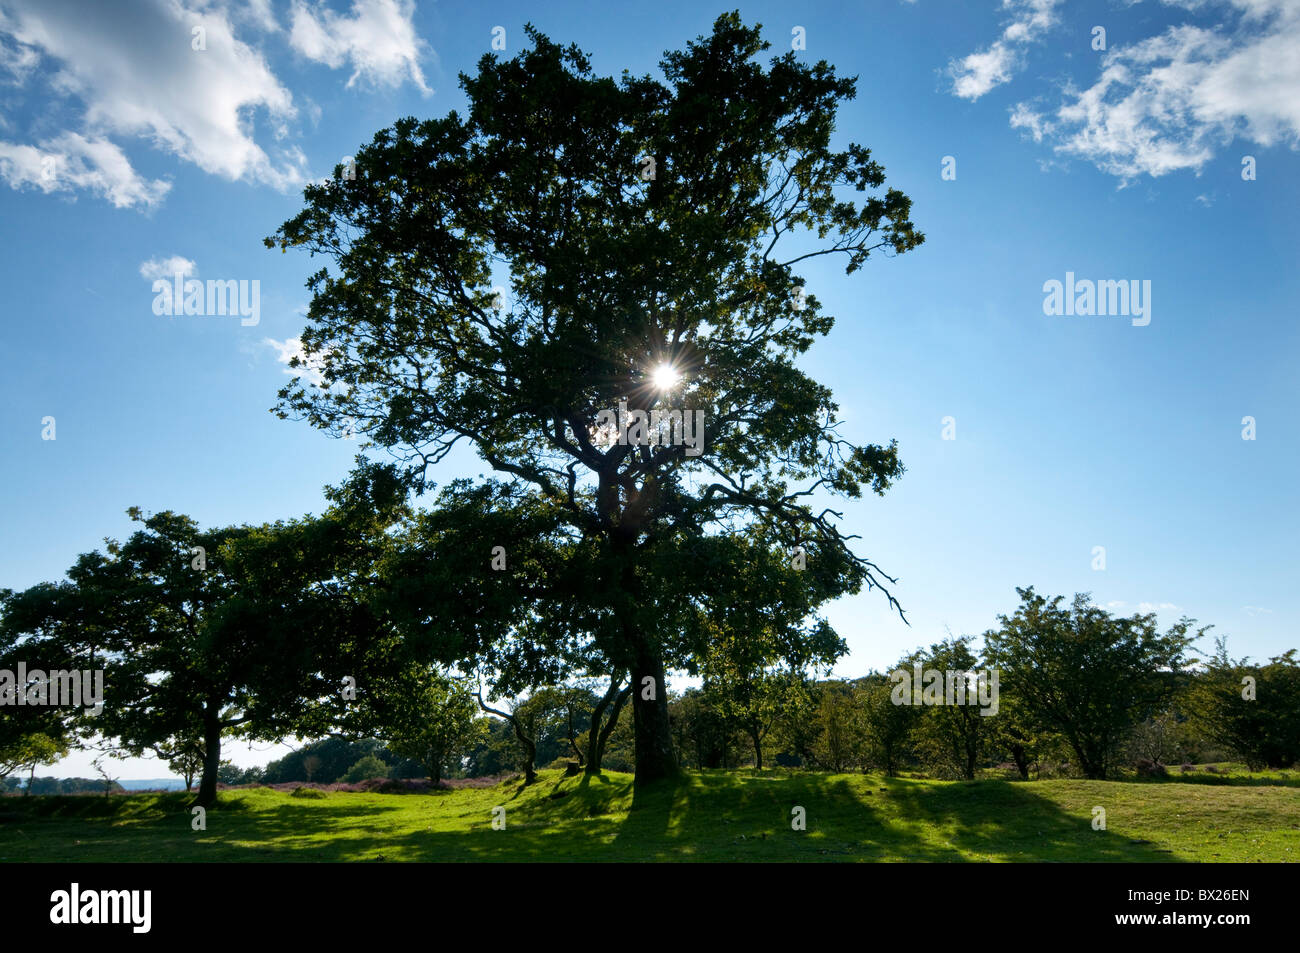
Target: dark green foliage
x: 1263, y: 730
x: 1085, y: 674
x: 366, y: 768
x: 246, y: 629
x: 49, y: 786
x: 703, y: 735
x: 951, y: 740
x: 614, y: 551
x: 334, y: 757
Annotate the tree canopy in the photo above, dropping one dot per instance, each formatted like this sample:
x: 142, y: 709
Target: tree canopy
x: 645, y: 235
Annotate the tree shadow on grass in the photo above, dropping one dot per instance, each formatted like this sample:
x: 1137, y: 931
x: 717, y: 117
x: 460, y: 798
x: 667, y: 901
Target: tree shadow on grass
x: 855, y: 818
x: 700, y: 816
x: 722, y: 817
x: 1009, y: 821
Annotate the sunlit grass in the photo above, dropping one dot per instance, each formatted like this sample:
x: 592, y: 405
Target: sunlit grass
x: 711, y: 815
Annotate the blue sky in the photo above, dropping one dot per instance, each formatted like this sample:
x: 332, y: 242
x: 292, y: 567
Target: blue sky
x: 123, y: 149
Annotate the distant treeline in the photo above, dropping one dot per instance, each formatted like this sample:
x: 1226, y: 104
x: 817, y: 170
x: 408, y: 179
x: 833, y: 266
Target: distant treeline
x: 1055, y: 688
x: 1054, y: 716
x: 59, y: 786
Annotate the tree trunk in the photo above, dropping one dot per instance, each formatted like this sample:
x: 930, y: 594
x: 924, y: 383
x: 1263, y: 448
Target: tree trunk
x: 211, y: 756
x: 594, y: 748
x: 529, y: 746
x: 652, y: 729
x: 573, y: 741
x: 1094, y: 769
x: 758, y: 747
x: 654, y: 743
x: 30, y: 778
x: 1022, y: 761
x: 530, y: 754
x: 610, y: 723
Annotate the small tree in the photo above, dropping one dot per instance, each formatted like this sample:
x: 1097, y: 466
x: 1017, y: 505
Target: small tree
x: 371, y: 766
x: 427, y: 717
x: 700, y: 731
x: 31, y: 735
x: 39, y: 749
x: 105, y: 775
x: 311, y: 764
x: 838, y: 744
x: 1253, y: 710
x: 243, y: 629
x: 951, y: 738
x: 1015, y: 735
x: 603, y: 720
x: 1085, y: 673
x: 1158, y: 737
x: 524, y: 725
x: 887, y: 728
x: 185, y: 757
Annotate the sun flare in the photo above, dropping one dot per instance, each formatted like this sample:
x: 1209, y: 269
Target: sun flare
x: 665, y: 377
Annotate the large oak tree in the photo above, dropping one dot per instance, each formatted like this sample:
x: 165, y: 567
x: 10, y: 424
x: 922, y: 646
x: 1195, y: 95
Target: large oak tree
x: 646, y: 235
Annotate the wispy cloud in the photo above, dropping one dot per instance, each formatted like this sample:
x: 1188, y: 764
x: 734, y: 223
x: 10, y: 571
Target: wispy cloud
x: 259, y: 13
x: 156, y: 268
x: 977, y: 73
x: 378, y: 40
x: 72, y: 162
x: 1142, y: 608
x: 290, y: 348
x: 174, y: 75
x: 136, y: 73
x: 1170, y: 102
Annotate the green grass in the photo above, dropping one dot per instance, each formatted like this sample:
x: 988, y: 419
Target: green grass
x: 708, y: 816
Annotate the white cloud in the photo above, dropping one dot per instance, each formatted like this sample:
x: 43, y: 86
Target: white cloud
x: 378, y: 40
x: 71, y: 161
x: 259, y: 13
x: 1171, y: 102
x: 977, y: 73
x: 135, y: 73
x: 16, y: 58
x: 1143, y: 608
x: 290, y: 348
x: 1256, y: 610
x: 1022, y: 117
x: 131, y: 71
x: 156, y: 268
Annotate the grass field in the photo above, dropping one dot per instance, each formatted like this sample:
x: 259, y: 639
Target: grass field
x: 707, y: 816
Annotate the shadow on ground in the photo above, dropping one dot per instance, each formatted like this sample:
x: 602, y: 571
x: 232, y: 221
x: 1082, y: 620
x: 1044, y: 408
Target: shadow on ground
x: 706, y: 816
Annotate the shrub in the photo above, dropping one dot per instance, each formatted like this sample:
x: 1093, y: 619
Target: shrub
x: 366, y: 768
x: 307, y: 793
x: 1146, y: 768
